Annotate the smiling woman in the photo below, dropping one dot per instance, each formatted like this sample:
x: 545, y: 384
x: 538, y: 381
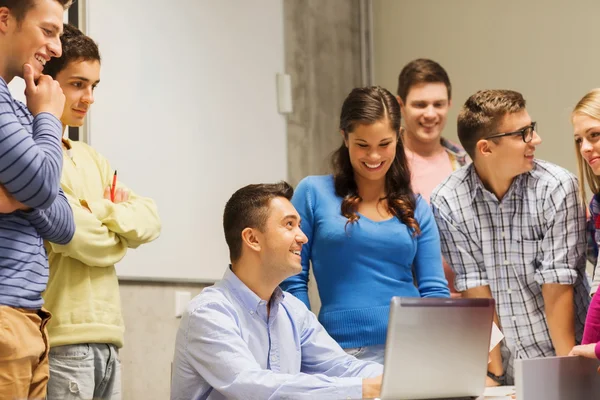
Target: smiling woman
x: 586, y: 134
x: 369, y: 236
x: 586, y: 127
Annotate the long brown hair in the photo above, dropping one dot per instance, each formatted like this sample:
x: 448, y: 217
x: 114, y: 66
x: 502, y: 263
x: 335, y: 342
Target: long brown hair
x: 365, y: 106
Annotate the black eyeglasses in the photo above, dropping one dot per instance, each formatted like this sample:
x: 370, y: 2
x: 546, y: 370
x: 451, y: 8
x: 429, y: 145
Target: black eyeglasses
x: 526, y: 133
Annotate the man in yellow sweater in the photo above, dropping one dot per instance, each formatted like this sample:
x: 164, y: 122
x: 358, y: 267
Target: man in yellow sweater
x: 86, y: 329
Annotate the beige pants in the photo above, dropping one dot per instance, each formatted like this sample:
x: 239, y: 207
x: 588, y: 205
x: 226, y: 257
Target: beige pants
x: 23, y: 353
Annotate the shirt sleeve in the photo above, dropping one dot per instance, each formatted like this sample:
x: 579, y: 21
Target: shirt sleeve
x: 463, y: 254
x: 591, y: 331
x: 303, y: 202
x: 136, y: 219
x: 54, y: 224
x: 214, y: 348
x: 30, y: 164
x: 562, y: 248
x: 429, y: 271
x: 93, y: 243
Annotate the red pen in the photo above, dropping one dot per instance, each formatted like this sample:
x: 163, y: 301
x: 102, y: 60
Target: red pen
x: 114, y: 187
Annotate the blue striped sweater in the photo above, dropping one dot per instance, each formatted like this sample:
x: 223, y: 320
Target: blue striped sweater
x: 30, y: 169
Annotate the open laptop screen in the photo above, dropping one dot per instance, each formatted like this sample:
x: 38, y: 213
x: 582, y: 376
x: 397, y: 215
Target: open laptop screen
x: 437, y: 348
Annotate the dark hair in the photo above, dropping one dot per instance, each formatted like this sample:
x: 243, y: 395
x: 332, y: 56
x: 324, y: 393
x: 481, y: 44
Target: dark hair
x: 248, y: 208
x: 75, y: 47
x: 19, y: 8
x: 365, y: 106
x: 422, y: 70
x: 482, y: 113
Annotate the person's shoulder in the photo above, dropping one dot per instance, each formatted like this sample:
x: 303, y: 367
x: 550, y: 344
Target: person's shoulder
x: 456, y: 181
x: 316, y: 182
x: 551, y: 175
x: 80, y: 146
x: 421, y: 204
x: 452, y: 147
x: 211, y: 299
x: 296, y: 307
x: 315, y: 186
x: 293, y: 301
x: 4, y: 90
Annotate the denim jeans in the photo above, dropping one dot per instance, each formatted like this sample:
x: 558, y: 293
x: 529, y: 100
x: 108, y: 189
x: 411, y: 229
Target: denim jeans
x: 368, y: 353
x: 84, y: 372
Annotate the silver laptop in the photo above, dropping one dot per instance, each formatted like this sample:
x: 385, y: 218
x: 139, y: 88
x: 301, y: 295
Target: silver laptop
x: 437, y: 348
x: 557, y: 378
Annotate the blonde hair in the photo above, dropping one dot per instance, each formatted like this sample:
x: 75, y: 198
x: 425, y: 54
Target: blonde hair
x: 589, y: 105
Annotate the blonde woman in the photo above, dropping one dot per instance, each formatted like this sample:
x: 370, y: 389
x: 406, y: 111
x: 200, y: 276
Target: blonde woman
x: 586, y: 126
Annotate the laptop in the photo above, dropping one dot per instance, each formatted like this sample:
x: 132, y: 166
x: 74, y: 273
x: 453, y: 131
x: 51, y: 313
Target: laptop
x: 437, y: 348
x: 557, y: 378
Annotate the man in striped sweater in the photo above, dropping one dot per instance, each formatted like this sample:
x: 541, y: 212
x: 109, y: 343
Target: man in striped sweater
x: 32, y: 205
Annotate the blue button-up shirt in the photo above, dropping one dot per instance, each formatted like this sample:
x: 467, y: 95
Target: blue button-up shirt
x: 229, y: 347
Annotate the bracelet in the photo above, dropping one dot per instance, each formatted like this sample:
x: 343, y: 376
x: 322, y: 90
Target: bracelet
x: 498, y: 379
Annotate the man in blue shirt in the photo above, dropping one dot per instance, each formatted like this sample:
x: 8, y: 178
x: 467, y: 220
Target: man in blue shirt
x: 32, y: 206
x: 244, y: 338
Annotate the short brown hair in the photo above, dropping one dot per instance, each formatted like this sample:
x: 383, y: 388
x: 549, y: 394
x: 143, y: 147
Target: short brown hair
x: 248, y: 208
x: 19, y: 8
x: 422, y: 70
x: 76, y: 46
x: 482, y: 113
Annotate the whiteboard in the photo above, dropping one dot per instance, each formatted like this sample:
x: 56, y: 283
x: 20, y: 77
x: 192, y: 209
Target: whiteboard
x: 186, y: 111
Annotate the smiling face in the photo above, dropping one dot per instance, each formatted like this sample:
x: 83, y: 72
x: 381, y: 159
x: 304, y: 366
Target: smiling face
x: 587, y: 138
x: 281, y: 239
x: 78, y: 81
x: 372, y: 150
x: 33, y: 40
x: 509, y: 155
x: 425, y: 111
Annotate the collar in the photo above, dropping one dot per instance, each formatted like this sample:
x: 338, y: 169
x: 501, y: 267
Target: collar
x: 249, y: 300
x: 453, y: 148
x: 515, y: 189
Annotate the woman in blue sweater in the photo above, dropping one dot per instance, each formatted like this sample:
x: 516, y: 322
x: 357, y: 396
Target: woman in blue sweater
x: 367, y: 231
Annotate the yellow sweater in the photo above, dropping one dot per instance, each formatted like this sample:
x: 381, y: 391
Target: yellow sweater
x: 83, y: 290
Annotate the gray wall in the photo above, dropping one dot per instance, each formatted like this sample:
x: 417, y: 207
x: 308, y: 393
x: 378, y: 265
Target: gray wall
x: 546, y: 50
x: 322, y: 48
x: 322, y: 51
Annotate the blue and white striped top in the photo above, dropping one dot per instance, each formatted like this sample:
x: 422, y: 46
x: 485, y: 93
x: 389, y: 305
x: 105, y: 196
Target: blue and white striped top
x: 30, y: 168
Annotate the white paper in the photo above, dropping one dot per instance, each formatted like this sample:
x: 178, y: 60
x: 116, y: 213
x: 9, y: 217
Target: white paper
x: 499, y: 391
x: 497, y: 336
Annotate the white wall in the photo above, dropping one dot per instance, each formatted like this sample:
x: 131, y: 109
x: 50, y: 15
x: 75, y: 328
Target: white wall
x: 186, y: 111
x: 547, y: 50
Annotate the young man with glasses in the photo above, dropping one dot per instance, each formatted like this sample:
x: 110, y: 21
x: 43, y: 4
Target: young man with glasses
x: 512, y: 228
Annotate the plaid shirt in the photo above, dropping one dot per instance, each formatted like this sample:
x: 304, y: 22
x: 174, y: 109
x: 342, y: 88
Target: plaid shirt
x: 535, y: 235
x: 458, y: 156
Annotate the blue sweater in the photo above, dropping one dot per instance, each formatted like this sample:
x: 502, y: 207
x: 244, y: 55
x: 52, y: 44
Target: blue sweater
x: 30, y: 168
x: 359, y: 269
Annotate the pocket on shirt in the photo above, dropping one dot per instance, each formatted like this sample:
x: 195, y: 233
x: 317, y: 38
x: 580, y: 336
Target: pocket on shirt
x: 526, y: 254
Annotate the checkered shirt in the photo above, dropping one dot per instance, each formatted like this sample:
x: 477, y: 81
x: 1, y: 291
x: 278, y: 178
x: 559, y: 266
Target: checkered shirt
x: 535, y: 235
